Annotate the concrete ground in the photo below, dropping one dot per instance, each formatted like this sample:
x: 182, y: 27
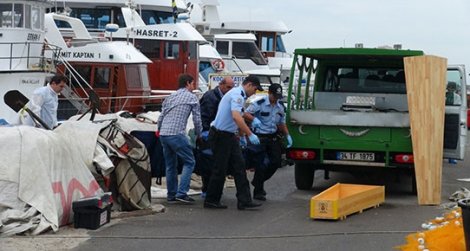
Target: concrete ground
x: 282, y: 223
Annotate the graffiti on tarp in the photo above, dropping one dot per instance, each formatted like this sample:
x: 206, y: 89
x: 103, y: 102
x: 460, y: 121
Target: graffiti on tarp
x: 72, y: 186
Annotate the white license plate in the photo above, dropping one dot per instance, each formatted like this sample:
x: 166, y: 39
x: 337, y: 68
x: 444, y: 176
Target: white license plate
x: 355, y: 156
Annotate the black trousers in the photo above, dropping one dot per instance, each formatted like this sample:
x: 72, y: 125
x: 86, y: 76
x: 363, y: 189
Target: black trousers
x: 205, y: 163
x: 227, y: 155
x: 267, y: 160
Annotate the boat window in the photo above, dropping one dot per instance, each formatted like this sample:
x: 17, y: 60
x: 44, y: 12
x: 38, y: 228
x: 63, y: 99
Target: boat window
x: 93, y: 19
x: 192, y: 50
x: 222, y: 48
x: 144, y: 76
x: 267, y: 43
x: 133, y: 78
x: 156, y: 17
x: 264, y: 80
x: 62, y: 24
x: 149, y: 48
x: 172, y: 50
x: 280, y: 44
x: 36, y: 17
x: 248, y: 50
x: 18, y: 17
x: 27, y: 16
x: 84, y: 77
x: 101, y: 78
x: 6, y: 15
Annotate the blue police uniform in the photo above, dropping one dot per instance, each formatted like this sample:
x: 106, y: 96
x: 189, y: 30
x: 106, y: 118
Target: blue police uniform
x: 232, y: 101
x: 269, y: 115
x: 271, y: 145
x: 226, y: 149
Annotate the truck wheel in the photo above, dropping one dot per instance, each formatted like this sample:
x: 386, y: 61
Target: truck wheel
x: 304, y: 175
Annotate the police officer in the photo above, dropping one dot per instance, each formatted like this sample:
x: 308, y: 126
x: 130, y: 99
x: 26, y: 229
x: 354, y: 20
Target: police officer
x: 226, y: 146
x: 267, y: 117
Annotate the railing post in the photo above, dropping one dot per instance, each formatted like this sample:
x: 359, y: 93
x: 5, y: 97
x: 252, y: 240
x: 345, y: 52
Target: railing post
x: 11, y: 54
x: 27, y: 57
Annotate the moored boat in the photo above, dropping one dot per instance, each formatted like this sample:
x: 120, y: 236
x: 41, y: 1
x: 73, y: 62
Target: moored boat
x: 23, y: 64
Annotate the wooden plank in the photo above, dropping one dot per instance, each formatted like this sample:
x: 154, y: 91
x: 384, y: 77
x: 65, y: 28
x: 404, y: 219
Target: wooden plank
x: 426, y: 79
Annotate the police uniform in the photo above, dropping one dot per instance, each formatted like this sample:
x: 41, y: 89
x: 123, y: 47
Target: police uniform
x: 271, y: 145
x: 226, y: 149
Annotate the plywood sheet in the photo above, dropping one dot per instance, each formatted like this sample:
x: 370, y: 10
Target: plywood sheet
x: 426, y: 79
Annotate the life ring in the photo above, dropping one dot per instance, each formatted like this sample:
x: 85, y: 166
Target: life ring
x: 218, y: 65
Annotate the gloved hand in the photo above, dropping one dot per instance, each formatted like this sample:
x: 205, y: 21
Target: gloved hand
x: 254, y: 139
x: 157, y: 134
x: 289, y: 141
x: 256, y: 123
x: 205, y: 135
x: 243, y: 142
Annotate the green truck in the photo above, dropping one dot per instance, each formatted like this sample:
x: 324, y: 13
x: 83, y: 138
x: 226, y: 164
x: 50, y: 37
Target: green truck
x: 347, y: 111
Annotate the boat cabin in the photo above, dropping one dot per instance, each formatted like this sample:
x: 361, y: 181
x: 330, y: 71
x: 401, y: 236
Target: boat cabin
x: 116, y: 71
x: 172, y: 48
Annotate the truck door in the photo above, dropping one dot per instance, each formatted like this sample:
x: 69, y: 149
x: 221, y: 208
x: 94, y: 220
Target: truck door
x: 455, y: 127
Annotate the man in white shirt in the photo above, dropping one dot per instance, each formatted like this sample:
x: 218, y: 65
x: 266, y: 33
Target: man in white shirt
x: 45, y: 100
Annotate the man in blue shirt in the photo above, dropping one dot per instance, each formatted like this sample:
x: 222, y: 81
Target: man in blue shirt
x: 267, y: 117
x: 172, y: 131
x: 209, y: 104
x: 226, y: 146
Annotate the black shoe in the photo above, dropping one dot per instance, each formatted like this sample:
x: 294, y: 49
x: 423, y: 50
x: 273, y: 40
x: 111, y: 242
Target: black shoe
x: 185, y: 199
x: 214, y: 205
x: 259, y: 196
x: 257, y: 190
x: 263, y: 192
x: 171, y: 200
x: 249, y: 205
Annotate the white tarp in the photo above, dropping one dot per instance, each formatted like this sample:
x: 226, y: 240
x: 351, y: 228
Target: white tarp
x: 46, y: 171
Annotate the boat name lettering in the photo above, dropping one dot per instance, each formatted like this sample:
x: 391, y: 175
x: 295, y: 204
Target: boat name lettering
x: 156, y: 33
x: 69, y: 54
x: 29, y: 81
x: 33, y: 37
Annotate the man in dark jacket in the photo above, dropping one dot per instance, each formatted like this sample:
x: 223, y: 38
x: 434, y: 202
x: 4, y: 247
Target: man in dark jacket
x: 209, y: 104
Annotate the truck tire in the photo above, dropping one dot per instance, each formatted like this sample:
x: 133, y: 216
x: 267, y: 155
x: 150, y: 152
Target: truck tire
x: 304, y: 175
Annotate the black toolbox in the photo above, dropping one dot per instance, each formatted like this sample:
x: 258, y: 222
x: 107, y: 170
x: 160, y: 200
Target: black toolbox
x: 92, y: 212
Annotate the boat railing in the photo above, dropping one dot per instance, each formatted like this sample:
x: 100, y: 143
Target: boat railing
x: 123, y: 102
x: 27, y: 56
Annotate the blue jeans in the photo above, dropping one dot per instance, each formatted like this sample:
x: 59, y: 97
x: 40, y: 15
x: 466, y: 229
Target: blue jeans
x: 177, y: 146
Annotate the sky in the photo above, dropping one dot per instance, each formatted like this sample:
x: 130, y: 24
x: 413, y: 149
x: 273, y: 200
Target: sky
x: 440, y: 28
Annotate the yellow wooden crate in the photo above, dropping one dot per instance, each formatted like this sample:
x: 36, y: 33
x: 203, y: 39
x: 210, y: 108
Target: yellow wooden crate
x: 341, y: 200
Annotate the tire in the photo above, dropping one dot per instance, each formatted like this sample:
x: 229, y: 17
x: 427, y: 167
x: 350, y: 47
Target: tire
x: 304, y: 175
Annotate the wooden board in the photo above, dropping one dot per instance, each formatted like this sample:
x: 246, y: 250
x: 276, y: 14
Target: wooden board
x: 426, y: 79
x: 341, y: 200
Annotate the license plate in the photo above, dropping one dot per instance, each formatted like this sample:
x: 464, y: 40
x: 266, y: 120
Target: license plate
x: 361, y: 156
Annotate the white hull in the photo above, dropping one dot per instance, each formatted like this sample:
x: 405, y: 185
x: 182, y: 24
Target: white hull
x: 25, y: 82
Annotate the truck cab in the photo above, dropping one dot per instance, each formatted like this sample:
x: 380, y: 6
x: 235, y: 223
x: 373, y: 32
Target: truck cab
x: 347, y: 111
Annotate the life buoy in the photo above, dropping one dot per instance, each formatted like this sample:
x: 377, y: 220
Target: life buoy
x: 218, y: 65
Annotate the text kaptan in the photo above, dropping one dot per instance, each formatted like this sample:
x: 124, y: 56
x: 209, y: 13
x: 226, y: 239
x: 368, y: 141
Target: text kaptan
x: 69, y: 54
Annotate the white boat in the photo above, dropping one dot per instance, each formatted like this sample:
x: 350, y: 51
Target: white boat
x: 268, y: 34
x: 172, y: 47
x: 23, y: 66
x: 235, y: 59
x: 240, y: 52
x: 115, y: 70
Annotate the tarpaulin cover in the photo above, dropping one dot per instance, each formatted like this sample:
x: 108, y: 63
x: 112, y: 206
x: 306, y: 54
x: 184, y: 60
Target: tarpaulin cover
x: 42, y: 172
